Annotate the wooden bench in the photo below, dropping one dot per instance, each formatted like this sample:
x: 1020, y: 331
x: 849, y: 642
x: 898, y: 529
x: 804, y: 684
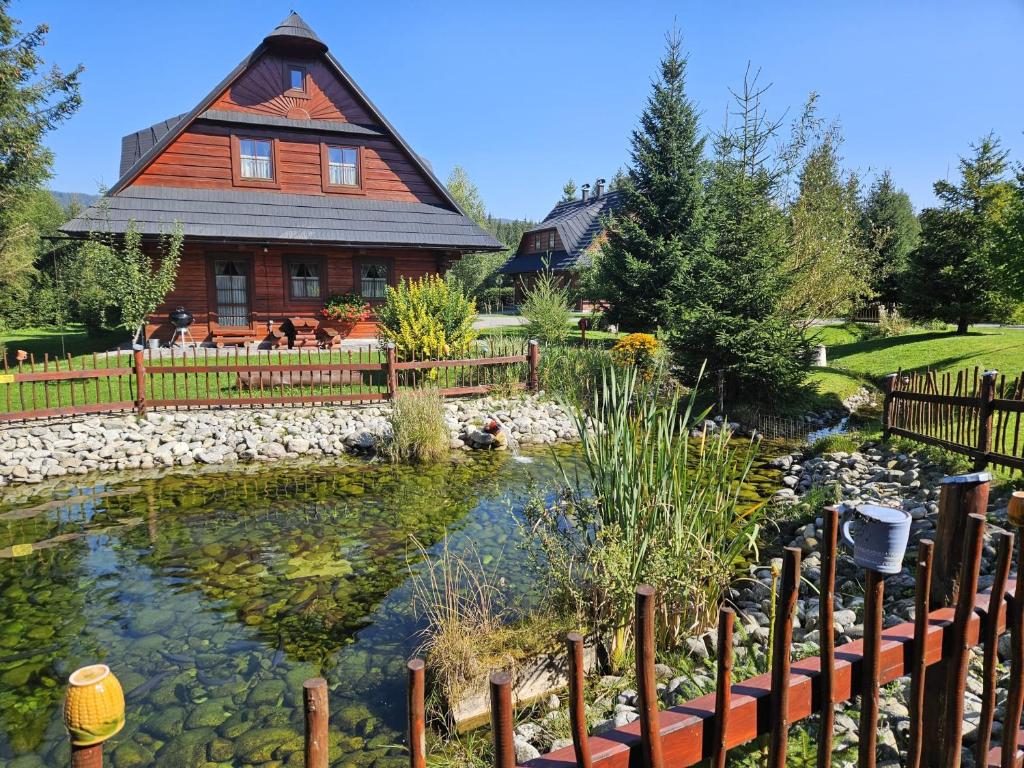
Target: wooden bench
x: 229, y: 339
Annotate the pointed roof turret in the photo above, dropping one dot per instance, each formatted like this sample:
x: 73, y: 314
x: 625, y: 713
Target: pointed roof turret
x: 294, y: 31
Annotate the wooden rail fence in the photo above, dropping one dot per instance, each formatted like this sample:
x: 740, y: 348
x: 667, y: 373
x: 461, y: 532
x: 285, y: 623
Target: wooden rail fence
x: 933, y: 650
x: 137, y: 381
x: 978, y: 414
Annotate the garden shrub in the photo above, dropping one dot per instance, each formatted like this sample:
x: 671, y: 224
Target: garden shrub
x: 426, y: 318
x: 546, y: 307
x: 648, y: 505
x: 891, y: 323
x: 418, y: 428
x: 638, y: 350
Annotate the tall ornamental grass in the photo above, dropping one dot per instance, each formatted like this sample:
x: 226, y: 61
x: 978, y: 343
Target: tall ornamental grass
x: 418, y: 428
x: 650, y: 505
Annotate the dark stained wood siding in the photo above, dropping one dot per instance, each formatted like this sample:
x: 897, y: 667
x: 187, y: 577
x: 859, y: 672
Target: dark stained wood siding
x: 261, y: 90
x: 269, y: 297
x: 202, y: 157
x: 526, y: 244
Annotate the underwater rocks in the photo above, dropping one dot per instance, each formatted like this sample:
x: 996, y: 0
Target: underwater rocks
x: 30, y: 454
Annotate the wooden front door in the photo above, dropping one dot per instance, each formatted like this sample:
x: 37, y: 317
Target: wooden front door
x: 231, y: 281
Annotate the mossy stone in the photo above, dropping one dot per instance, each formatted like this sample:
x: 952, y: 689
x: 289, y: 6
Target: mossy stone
x: 27, y: 761
x: 131, y: 754
x: 266, y: 692
x: 17, y: 677
x: 209, y: 714
x: 220, y: 750
x: 166, y: 724
x: 188, y: 749
x: 258, y: 746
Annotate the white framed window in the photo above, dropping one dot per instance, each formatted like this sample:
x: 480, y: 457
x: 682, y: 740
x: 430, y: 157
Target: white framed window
x: 551, y: 241
x: 256, y: 159
x: 343, y: 166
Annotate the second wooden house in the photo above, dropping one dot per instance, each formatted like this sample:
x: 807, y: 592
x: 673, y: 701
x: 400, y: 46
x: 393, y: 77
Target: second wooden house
x: 563, y: 242
x: 290, y: 187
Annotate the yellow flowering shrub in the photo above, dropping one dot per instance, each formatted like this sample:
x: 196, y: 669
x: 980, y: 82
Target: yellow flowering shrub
x: 640, y: 350
x: 426, y: 318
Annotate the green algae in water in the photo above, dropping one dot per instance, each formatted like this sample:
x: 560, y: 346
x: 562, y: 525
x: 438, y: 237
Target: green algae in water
x: 225, y: 591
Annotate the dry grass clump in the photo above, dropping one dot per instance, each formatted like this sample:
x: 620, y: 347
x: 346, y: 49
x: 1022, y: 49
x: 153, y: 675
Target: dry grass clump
x: 472, y: 627
x: 418, y: 428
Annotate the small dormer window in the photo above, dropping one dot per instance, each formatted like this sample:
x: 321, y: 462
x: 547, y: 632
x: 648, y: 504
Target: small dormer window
x: 295, y: 79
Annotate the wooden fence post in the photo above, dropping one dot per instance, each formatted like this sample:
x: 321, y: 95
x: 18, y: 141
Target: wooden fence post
x: 392, y: 372
x: 533, y: 358
x: 827, y: 635
x: 867, y: 746
x: 646, y: 679
x: 577, y: 706
x: 778, y: 735
x: 918, y: 674
x: 961, y: 496
x: 417, y: 715
x: 723, y: 685
x: 501, y: 720
x: 87, y: 757
x: 314, y: 695
x: 987, y: 395
x: 888, y: 386
x: 956, y: 683
x: 140, y: 383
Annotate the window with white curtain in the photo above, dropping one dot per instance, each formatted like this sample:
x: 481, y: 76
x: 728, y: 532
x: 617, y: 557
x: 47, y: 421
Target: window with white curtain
x: 373, y: 280
x: 343, y: 166
x: 256, y: 159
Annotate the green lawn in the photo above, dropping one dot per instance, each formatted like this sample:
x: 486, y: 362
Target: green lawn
x: 850, y: 350
x: 55, y: 342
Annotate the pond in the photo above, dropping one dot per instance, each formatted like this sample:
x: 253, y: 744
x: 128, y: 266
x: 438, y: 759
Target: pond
x: 213, y: 596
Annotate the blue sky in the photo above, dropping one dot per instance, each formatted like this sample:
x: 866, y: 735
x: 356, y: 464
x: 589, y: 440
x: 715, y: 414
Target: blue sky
x: 525, y: 95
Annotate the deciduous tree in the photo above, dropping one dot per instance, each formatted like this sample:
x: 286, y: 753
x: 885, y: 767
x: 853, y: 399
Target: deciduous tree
x: 827, y: 269
x: 33, y: 101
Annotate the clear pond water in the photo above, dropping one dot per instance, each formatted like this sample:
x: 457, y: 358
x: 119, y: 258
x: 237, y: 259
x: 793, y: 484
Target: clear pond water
x: 213, y: 596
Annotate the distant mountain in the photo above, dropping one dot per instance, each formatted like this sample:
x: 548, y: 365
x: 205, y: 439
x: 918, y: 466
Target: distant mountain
x: 80, y: 198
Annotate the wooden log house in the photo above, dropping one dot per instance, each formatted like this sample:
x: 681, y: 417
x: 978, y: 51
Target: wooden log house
x: 563, y: 242
x: 290, y: 187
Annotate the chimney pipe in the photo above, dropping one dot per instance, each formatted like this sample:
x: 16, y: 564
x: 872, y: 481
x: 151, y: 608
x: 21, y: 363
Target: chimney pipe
x: 585, y: 190
x: 600, y: 188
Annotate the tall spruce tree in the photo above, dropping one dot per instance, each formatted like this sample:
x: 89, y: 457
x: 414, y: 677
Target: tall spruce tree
x: 569, y: 191
x: 890, y: 229
x: 661, y: 228
x: 729, y: 302
x: 955, y: 273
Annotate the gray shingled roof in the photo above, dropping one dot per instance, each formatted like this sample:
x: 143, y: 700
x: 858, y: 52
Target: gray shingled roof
x: 294, y: 29
x: 135, y: 145
x: 577, y: 223
x: 272, y: 216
